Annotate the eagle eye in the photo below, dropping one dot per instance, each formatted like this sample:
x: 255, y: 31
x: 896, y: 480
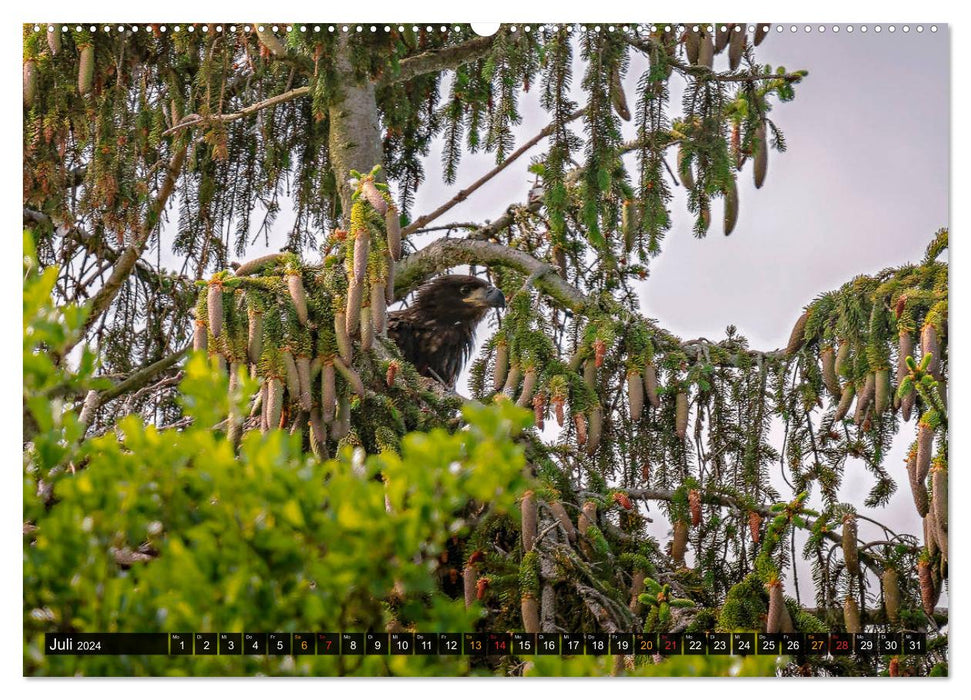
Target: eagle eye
x: 465, y: 289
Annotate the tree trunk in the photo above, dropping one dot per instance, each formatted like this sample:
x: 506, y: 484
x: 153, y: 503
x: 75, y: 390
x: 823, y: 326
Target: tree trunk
x: 355, y: 132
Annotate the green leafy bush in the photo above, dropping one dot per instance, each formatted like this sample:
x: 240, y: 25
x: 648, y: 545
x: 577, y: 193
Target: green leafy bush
x: 269, y: 540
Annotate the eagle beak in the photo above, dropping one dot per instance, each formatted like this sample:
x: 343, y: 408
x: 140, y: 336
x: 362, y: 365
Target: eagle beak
x: 494, y: 297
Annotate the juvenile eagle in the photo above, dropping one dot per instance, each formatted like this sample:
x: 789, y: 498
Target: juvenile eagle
x: 437, y: 332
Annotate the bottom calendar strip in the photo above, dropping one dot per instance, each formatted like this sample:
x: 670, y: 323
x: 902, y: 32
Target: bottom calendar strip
x: 482, y: 644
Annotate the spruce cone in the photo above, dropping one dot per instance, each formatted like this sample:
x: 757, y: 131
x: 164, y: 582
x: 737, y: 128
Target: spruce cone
x: 891, y: 594
x: 344, y: 347
x: 539, y: 410
x: 681, y: 414
x: 351, y: 376
x: 635, y: 395
x: 917, y: 487
x: 379, y: 308
x: 731, y: 208
x: 367, y: 329
x: 559, y: 512
x: 830, y: 379
x: 846, y: 400
x: 355, y: 295
x: 530, y: 610
x: 623, y: 500
x: 842, y: 359
x: 928, y: 594
x: 865, y: 398
x: 850, y: 552
x: 393, y: 225
x: 264, y: 406
x: 722, y: 35
x: 796, y: 338
x: 692, y: 44
x: 580, y: 421
x: 930, y: 344
x: 362, y: 247
x: 303, y: 375
x: 754, y: 526
x: 373, y: 196
x: 299, y: 296
x: 558, y: 410
x: 925, y: 448
x: 214, y: 301
x: 318, y: 436
x: 529, y: 388
x: 617, y: 94
x: 930, y: 533
x: 254, y: 340
x: 200, y: 335
x: 939, y: 491
x: 595, y: 432
x: 706, y: 50
x: 650, y: 385
x: 86, y: 70
x: 588, y: 516
x: 777, y: 604
x: 679, y: 542
x: 694, y: 505
x: 502, y: 365
x: 851, y: 615
x: 30, y: 82
x: 292, y: 378
x: 882, y: 391
x: 761, y: 31
x: 761, y: 156
x: 274, y: 409
x: 905, y: 349
x: 469, y: 580
x: 684, y: 170
x: 736, y: 48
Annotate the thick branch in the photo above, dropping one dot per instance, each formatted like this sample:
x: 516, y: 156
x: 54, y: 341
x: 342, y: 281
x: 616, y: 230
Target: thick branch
x: 448, y: 252
x: 447, y: 58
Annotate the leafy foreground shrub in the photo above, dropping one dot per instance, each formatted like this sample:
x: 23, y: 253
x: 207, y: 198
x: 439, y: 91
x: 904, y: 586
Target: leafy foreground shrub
x: 143, y: 529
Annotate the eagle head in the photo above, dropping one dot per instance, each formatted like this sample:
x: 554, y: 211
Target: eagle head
x: 458, y: 299
x: 436, y: 333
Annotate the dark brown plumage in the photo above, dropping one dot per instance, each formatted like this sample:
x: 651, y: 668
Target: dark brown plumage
x: 437, y: 332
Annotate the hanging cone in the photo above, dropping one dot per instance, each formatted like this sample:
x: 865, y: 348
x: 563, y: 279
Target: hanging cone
x: 851, y: 615
x: 777, y: 604
x: 681, y: 415
x: 679, y: 542
x: 754, y: 526
x: 891, y: 594
x: 850, y: 551
x: 650, y: 386
x: 828, y: 361
x: 635, y: 395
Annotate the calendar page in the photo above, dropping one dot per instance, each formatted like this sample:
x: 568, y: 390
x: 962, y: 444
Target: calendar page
x: 449, y: 349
